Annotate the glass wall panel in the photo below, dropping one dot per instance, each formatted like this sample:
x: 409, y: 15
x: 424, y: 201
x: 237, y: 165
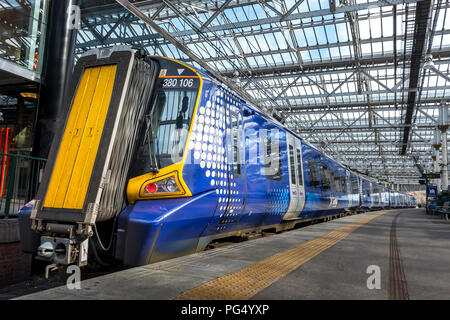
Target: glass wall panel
x: 22, y: 32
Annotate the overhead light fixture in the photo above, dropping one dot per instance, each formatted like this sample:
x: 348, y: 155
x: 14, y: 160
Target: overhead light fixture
x: 428, y: 62
x: 31, y: 95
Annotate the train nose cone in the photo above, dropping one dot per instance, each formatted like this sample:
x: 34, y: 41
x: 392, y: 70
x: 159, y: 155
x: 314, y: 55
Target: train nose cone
x: 46, y: 250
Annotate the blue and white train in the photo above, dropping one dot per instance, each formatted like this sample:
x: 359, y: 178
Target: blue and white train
x: 235, y: 171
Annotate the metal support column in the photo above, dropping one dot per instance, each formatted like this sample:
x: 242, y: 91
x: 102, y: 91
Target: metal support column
x: 435, y: 158
x: 444, y: 164
x: 57, y: 68
x: 436, y: 143
x: 443, y: 126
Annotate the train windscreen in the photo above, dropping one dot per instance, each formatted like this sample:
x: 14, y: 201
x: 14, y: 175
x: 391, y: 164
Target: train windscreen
x: 168, y: 121
x: 167, y: 124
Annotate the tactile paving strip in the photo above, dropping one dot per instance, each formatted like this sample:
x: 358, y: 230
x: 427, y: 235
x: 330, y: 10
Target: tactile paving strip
x: 246, y: 282
x: 398, y: 288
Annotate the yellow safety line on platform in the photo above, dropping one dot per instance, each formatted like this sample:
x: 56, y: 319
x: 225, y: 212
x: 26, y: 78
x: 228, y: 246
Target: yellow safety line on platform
x: 247, y: 282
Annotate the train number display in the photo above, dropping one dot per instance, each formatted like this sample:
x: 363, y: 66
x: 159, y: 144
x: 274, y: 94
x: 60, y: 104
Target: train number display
x: 179, y: 83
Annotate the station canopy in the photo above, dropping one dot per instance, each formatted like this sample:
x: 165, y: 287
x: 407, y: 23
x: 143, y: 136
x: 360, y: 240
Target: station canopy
x: 363, y: 80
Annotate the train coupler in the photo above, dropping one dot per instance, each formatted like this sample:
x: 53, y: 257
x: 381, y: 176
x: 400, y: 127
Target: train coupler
x: 63, y: 251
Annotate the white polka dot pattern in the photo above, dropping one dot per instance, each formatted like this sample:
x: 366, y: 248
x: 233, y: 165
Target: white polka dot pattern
x: 208, y: 143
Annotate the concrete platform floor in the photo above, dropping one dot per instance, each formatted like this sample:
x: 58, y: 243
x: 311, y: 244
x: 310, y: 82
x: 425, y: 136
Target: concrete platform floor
x: 410, y: 249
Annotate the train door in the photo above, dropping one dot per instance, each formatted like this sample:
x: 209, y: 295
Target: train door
x: 300, y: 181
x: 328, y: 198
x: 349, y: 189
x: 371, y: 195
x: 380, y: 200
x: 297, y: 191
x: 363, y: 193
x: 236, y: 183
x: 355, y: 191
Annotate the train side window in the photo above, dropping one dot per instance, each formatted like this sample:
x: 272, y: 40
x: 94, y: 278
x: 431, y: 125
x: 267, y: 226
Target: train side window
x: 292, y: 167
x: 325, y: 177
x: 344, y: 183
x: 299, y: 164
x: 313, y: 173
x: 337, y: 181
x: 355, y: 186
x: 272, y: 154
x: 235, y: 144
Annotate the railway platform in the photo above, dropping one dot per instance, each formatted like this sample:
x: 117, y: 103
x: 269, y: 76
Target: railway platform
x: 392, y: 254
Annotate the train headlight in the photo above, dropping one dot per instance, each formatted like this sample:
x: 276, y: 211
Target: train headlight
x: 168, y: 185
x: 165, y: 184
x: 171, y: 185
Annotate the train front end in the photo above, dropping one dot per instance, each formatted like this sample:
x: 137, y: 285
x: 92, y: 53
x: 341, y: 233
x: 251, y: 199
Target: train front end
x: 116, y: 171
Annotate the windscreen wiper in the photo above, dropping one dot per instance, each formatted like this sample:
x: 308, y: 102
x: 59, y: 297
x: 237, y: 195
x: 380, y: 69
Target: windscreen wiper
x: 149, y: 135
